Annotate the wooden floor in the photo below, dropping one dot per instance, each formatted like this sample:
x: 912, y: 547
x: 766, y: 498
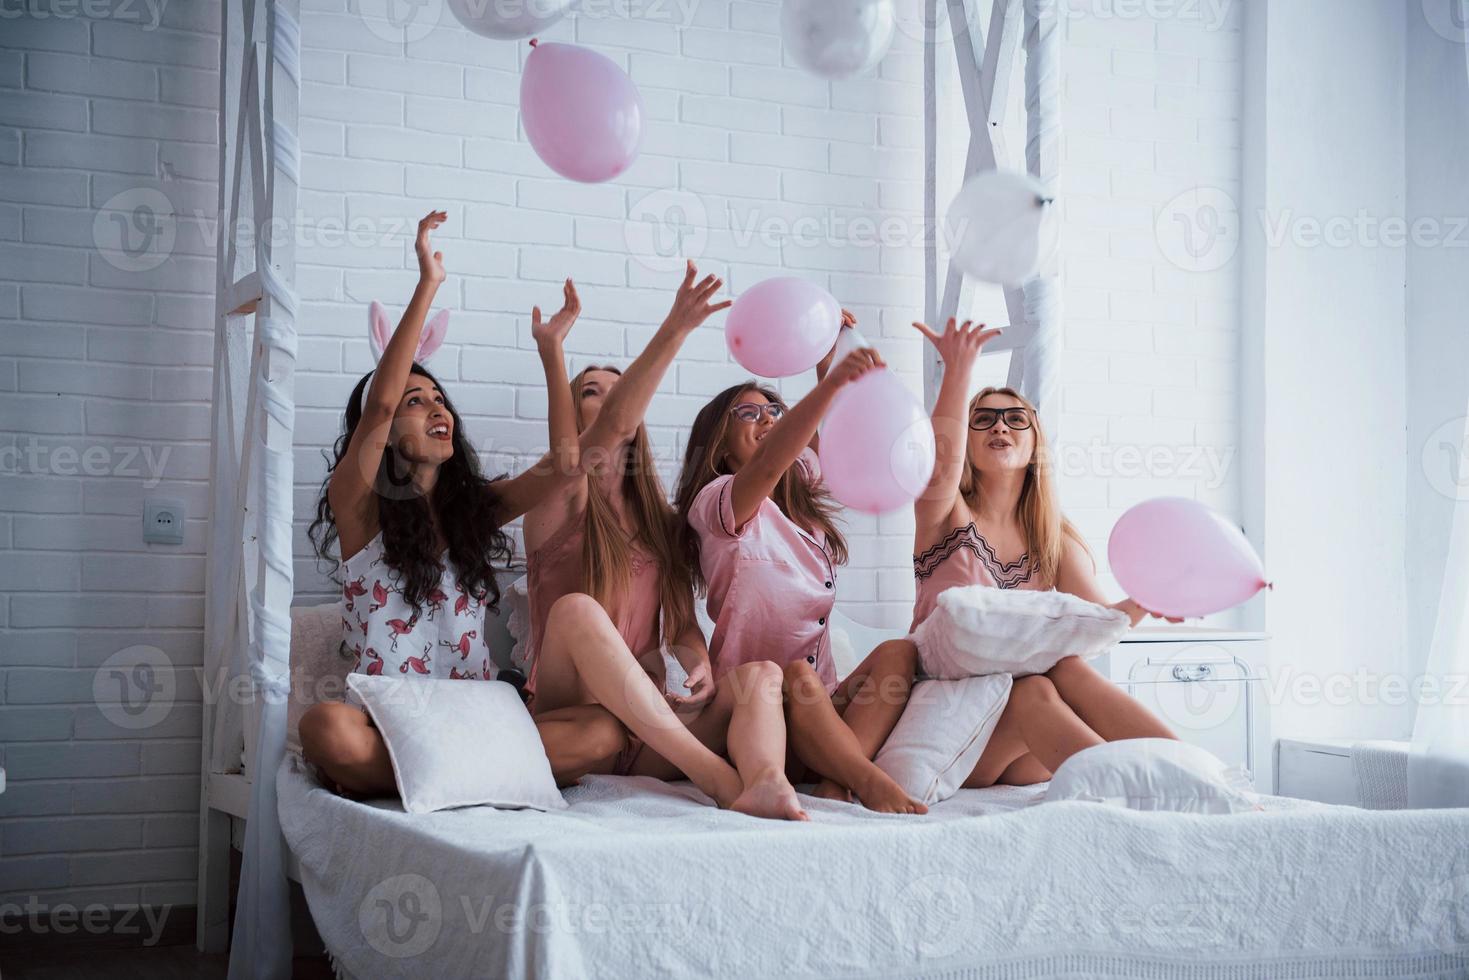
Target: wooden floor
x: 158, y: 963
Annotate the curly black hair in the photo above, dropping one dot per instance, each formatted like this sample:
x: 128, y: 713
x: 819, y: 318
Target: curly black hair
x: 463, y: 500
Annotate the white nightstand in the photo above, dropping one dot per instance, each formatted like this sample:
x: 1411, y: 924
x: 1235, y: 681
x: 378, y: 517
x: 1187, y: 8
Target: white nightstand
x: 1207, y: 685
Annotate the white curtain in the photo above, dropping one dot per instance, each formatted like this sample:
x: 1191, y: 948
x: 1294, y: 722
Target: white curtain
x: 260, y: 947
x: 1438, y: 768
x: 261, y: 944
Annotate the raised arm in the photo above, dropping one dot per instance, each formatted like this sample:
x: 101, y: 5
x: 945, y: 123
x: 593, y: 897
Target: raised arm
x: 824, y: 365
x: 550, y: 336
x: 628, y: 401
x: 789, y: 437
x: 959, y: 347
x: 626, y: 404
x: 351, y: 481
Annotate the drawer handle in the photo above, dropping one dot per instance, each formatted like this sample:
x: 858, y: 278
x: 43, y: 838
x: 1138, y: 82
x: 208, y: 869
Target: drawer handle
x: 1192, y: 672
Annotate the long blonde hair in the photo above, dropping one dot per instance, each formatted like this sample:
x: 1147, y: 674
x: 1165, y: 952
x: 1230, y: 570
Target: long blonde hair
x: 607, y: 548
x: 809, y: 505
x: 1046, y: 528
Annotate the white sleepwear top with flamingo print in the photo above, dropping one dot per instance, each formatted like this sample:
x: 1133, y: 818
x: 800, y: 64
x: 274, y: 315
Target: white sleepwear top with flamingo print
x: 386, y: 636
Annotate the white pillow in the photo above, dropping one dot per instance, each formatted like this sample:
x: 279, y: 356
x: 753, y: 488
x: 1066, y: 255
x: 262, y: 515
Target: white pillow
x: 851, y: 641
x: 1153, y: 774
x: 318, y: 669
x: 844, y: 656
x: 943, y: 732
x: 978, y: 629
x: 459, y: 743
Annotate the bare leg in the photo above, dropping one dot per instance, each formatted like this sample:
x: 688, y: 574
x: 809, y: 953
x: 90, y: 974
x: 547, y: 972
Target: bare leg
x: 871, y: 700
x: 341, y: 741
x: 1037, y: 726
x: 584, y: 660
x: 1107, y: 709
x: 579, y: 740
x: 745, y: 716
x: 824, y: 743
x: 757, y: 742
x: 1025, y: 771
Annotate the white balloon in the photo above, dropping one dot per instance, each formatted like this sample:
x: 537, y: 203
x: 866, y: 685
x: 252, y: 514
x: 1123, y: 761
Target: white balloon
x: 509, y: 20
x: 1002, y: 226
x: 837, y: 38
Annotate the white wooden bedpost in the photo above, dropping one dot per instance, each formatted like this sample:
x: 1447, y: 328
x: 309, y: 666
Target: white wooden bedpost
x: 930, y: 191
x: 1034, y: 311
x: 1035, y: 369
x: 249, y: 587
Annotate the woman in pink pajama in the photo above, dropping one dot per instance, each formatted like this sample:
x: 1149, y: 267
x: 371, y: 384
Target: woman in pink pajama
x: 605, y: 545
x: 761, y: 540
x: 991, y: 498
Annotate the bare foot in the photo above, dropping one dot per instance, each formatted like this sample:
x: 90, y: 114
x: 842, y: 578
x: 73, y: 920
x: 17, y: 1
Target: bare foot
x: 772, y: 796
x: 828, y: 790
x: 880, y: 793
x: 727, y: 788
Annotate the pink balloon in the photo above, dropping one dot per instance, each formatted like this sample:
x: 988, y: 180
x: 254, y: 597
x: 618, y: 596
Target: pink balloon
x: 582, y: 114
x: 877, y: 449
x: 1176, y: 557
x: 782, y: 326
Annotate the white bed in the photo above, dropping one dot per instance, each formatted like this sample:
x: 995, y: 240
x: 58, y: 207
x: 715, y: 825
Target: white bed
x: 640, y: 879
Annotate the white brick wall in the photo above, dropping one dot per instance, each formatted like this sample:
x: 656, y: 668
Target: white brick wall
x: 1151, y: 109
x: 763, y: 168
x: 758, y: 157
x: 1152, y: 96
x: 104, y: 392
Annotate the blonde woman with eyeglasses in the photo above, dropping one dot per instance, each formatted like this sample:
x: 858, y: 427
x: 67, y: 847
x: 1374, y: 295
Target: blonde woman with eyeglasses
x: 990, y: 517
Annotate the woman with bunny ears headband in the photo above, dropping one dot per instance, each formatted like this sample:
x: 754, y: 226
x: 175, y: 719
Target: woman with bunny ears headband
x: 380, y: 334
x: 419, y: 530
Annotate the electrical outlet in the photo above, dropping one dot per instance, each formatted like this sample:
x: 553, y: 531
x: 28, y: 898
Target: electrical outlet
x: 163, y: 520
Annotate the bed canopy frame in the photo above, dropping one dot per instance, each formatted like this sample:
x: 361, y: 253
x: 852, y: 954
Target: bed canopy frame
x: 249, y: 577
x: 985, y: 61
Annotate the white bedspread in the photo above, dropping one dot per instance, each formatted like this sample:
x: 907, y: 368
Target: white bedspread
x: 637, y: 879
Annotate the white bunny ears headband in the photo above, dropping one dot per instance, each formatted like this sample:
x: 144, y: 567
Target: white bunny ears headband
x: 380, y: 331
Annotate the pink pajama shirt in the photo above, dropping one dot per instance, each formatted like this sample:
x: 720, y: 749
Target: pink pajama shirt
x: 772, y: 584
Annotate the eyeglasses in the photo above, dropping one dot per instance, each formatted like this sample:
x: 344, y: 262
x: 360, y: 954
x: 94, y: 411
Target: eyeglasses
x: 750, y: 412
x: 986, y: 418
